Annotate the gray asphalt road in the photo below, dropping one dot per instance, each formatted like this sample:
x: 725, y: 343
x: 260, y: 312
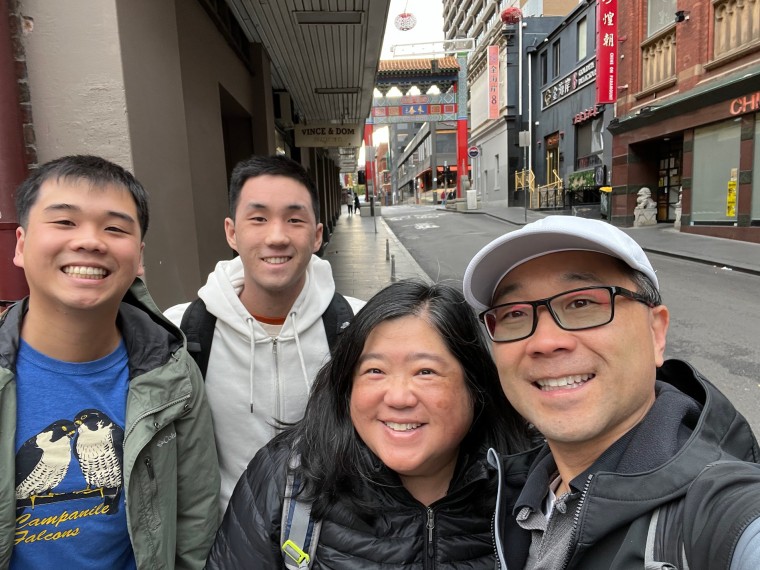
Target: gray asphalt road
x: 715, y: 313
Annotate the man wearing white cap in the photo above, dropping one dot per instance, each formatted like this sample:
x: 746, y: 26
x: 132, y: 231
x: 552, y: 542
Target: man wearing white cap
x: 646, y: 463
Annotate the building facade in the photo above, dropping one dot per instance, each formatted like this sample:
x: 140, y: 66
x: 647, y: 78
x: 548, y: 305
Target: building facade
x: 178, y: 92
x: 496, y: 137
x: 688, y: 114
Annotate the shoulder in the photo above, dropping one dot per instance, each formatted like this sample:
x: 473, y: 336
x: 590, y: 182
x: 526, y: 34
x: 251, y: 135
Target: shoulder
x: 356, y: 304
x: 175, y: 313
x: 721, y: 503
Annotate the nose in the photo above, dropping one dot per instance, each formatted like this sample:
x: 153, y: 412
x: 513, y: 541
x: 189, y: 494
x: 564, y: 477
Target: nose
x: 277, y: 233
x: 549, y: 337
x: 89, y: 239
x: 399, y: 393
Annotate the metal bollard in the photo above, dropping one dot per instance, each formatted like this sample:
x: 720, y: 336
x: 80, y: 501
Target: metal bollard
x: 393, y: 268
x: 387, y: 250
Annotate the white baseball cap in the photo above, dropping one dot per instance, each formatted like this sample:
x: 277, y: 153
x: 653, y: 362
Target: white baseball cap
x: 549, y: 235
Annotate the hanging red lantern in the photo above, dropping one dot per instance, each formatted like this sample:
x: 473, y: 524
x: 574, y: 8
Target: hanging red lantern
x: 511, y: 15
x: 405, y: 21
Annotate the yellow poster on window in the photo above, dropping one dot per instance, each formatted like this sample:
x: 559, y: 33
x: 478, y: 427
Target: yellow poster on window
x: 731, y: 199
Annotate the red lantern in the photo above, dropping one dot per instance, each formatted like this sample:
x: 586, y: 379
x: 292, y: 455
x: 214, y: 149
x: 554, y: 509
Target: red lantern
x: 405, y: 21
x: 511, y: 15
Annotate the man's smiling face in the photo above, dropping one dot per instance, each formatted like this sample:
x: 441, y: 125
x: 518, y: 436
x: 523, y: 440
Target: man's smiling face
x: 582, y: 388
x: 275, y: 231
x: 81, y: 248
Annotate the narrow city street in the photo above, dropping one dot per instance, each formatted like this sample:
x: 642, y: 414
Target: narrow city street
x: 715, y: 316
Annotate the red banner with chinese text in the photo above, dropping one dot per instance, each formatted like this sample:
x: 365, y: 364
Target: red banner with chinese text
x: 493, y: 82
x: 606, y: 52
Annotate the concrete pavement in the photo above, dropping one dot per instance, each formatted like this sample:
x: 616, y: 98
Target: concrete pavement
x: 366, y: 255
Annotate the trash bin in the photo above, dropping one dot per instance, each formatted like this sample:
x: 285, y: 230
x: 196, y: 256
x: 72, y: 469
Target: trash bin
x: 472, y: 200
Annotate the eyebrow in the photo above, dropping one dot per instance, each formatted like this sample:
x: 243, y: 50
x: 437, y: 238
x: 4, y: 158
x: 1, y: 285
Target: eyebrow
x: 409, y: 358
x: 260, y: 206
x: 63, y: 207
x: 569, y: 277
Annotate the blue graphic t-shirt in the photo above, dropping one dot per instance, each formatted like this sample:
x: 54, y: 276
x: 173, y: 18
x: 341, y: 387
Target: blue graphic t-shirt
x: 70, y: 509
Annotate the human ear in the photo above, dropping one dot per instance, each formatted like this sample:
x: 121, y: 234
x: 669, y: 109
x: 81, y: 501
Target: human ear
x: 660, y: 319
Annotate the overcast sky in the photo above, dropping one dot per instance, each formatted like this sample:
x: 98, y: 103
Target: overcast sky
x: 429, y: 28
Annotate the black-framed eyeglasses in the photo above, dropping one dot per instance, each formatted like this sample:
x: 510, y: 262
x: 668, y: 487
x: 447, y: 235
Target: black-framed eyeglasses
x: 575, y: 310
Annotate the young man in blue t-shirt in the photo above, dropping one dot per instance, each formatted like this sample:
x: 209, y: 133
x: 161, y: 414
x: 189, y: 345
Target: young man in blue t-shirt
x: 102, y: 411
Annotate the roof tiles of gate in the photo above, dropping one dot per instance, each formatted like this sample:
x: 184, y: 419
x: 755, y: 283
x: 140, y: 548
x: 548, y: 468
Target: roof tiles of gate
x: 421, y: 66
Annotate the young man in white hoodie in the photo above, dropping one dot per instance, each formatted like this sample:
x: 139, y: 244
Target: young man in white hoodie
x: 269, y: 339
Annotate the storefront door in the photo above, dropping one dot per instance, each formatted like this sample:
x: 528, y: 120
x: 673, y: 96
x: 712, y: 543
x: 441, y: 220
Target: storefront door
x: 669, y: 181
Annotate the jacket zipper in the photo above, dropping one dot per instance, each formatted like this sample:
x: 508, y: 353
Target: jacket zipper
x: 276, y: 380
x: 430, y: 526
x: 149, y: 467
x: 493, y: 535
x: 576, y: 520
x: 154, y: 411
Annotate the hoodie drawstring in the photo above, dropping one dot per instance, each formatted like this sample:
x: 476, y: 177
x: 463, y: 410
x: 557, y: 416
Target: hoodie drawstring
x: 249, y: 320
x: 300, y: 354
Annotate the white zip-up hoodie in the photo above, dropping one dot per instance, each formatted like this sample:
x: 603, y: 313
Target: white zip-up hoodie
x: 252, y: 379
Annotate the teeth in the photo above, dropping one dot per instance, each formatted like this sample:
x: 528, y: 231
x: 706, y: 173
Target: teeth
x: 85, y: 272
x: 401, y: 427
x: 276, y: 259
x: 566, y: 382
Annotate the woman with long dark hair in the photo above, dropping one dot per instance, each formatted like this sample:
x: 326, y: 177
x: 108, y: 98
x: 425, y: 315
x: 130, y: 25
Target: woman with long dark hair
x: 391, y: 452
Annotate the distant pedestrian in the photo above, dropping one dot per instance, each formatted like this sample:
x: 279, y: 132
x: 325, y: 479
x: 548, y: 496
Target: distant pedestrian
x: 357, y: 206
x: 350, y: 203
x: 443, y: 197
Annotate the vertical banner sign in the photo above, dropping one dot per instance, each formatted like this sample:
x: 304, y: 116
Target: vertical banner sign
x: 493, y: 82
x: 606, y: 52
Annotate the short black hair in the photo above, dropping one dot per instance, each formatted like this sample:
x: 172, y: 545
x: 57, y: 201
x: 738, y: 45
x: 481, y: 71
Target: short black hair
x: 94, y: 169
x: 275, y: 165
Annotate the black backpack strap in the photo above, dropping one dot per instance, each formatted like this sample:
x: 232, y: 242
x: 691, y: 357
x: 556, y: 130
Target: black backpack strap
x: 336, y: 318
x: 198, y: 325
x: 664, y: 546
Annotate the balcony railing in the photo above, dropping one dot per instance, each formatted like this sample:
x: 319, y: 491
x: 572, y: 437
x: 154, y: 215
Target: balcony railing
x: 658, y: 59
x: 737, y: 24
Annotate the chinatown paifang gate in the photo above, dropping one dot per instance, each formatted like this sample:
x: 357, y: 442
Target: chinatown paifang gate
x: 449, y: 74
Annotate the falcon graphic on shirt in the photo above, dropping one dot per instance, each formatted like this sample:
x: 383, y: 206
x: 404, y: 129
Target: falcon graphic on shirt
x: 43, y: 460
x: 98, y: 448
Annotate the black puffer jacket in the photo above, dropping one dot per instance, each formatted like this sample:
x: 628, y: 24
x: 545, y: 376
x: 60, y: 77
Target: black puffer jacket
x: 692, y: 425
x: 400, y: 532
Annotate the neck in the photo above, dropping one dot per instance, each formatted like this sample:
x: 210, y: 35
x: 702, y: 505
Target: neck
x: 264, y: 304
x: 428, y: 489
x: 78, y: 336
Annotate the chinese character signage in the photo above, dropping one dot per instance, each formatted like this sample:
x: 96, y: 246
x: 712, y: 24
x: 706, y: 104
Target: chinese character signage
x: 606, y: 52
x: 569, y: 84
x: 493, y: 82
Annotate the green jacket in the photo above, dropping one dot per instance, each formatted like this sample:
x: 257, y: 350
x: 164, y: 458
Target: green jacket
x: 171, y: 473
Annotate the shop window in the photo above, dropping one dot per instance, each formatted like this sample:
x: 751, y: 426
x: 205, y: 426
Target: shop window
x: 581, y: 51
x: 755, y: 213
x: 716, y: 161
x: 588, y: 144
x: 660, y: 14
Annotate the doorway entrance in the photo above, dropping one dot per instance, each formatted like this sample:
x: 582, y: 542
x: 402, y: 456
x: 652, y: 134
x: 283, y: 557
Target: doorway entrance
x: 669, y: 178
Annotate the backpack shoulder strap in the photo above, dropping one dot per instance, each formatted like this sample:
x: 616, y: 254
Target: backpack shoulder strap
x: 299, y: 533
x: 198, y: 325
x: 336, y: 318
x: 664, y: 546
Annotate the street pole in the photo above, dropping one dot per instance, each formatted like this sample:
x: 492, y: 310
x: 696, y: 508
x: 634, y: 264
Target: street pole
x: 525, y: 190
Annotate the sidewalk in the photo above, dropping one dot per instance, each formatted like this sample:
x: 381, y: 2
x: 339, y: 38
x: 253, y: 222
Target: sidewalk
x: 357, y: 253
x: 357, y: 249
x: 663, y: 239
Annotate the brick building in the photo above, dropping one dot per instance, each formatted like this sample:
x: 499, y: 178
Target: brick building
x: 688, y: 114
